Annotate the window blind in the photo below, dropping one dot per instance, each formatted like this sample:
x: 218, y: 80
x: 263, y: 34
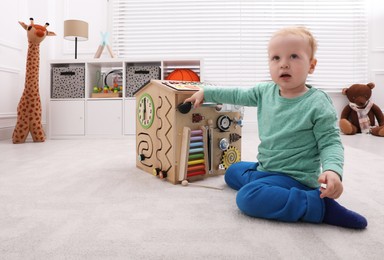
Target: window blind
x: 232, y: 36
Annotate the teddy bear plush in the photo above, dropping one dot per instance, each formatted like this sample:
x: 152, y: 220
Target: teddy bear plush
x: 360, y: 115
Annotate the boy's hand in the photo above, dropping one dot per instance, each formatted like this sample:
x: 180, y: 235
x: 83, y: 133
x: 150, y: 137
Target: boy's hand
x: 334, y: 186
x: 197, y: 98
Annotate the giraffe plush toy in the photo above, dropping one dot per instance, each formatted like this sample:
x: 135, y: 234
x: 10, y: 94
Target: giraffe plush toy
x: 29, y: 108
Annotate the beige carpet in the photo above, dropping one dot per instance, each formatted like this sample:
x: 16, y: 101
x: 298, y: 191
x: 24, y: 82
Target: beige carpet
x: 85, y: 199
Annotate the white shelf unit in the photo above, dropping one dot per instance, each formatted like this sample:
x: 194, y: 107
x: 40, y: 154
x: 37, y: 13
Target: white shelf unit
x: 87, y: 116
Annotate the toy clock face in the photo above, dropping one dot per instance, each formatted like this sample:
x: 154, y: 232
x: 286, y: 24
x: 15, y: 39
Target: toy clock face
x: 146, y: 112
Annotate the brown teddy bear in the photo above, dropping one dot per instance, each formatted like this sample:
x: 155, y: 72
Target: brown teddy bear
x: 359, y: 116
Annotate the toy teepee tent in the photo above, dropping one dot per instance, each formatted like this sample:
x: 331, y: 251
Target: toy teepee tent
x: 104, y: 43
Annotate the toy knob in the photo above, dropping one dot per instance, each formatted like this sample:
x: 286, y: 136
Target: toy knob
x: 184, y: 108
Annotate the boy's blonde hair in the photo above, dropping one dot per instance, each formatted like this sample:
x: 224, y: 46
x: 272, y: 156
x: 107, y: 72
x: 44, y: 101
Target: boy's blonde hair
x: 300, y: 31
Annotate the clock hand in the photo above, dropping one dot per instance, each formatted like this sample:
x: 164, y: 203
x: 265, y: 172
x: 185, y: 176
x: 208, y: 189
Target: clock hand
x: 145, y: 107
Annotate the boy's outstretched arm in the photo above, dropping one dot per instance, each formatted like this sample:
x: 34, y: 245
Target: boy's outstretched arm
x: 197, y: 98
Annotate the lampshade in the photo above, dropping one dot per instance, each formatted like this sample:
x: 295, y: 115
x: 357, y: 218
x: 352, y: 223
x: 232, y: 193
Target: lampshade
x: 75, y: 29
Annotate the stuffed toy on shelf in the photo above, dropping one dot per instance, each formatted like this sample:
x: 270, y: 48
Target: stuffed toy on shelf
x: 360, y: 115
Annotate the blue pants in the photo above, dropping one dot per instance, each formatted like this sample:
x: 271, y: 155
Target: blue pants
x: 273, y: 195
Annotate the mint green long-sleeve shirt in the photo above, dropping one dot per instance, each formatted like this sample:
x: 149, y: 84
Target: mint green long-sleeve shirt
x: 299, y: 136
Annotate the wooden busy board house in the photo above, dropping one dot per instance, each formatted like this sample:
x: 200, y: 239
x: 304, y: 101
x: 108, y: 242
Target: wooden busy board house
x: 178, y: 142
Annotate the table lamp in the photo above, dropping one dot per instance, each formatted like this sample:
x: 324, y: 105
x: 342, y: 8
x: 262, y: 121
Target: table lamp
x: 75, y: 30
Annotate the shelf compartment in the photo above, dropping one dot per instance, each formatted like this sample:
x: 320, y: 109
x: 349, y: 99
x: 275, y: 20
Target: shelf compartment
x: 170, y: 65
x: 104, y: 74
x: 68, y: 81
x: 139, y: 74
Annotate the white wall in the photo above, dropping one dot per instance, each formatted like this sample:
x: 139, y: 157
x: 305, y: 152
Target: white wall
x: 95, y: 12
x: 13, y: 46
x: 12, y: 63
x: 376, y: 50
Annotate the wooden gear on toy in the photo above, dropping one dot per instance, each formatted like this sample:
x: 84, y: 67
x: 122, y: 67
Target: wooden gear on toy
x: 177, y: 142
